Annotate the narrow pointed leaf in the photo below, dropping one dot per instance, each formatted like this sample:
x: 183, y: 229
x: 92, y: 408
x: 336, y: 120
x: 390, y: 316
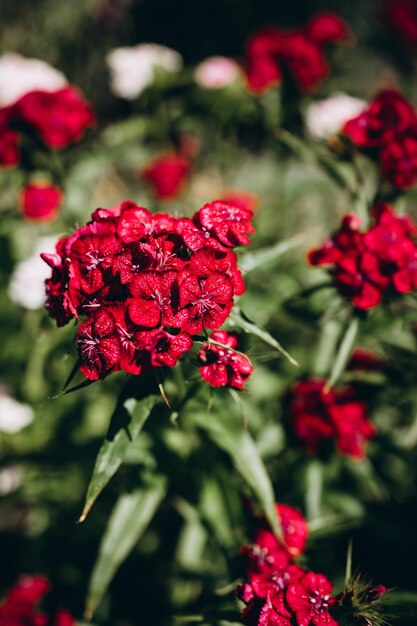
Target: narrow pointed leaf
x: 250, y: 261
x: 241, y: 447
x: 128, y: 521
x: 239, y: 320
x: 126, y: 423
x: 344, y: 352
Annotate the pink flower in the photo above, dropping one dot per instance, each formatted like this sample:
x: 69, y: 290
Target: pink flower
x: 216, y: 72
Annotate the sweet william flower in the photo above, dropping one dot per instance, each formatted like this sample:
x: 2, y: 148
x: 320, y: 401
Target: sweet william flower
x: 132, y: 69
x: 166, y: 174
x: 14, y: 415
x: 216, y: 72
x: 317, y: 415
x: 9, y: 148
x: 40, y: 201
x: 27, y: 282
x: 325, y: 118
x: 59, y: 117
x: 327, y: 27
x: 310, y: 599
x: 142, y: 284
x: 400, y: 16
x: 221, y: 367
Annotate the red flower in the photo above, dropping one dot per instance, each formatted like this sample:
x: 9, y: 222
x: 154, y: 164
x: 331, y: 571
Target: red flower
x: 400, y: 16
x: 41, y: 201
x: 388, y: 115
x: 220, y: 366
x: 138, y: 276
x: 310, y: 599
x: 225, y: 221
x: 60, y: 117
x: 9, y: 148
x: 327, y: 27
x: 20, y: 608
x: 208, y: 302
x: 241, y: 198
x: 299, y: 52
x: 99, y: 344
x: 366, y: 265
x: 166, y: 174
x: 363, y: 360
x: 398, y: 161
x: 317, y: 416
x: 305, y: 61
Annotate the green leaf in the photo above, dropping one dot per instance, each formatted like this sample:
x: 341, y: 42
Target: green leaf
x: 128, y: 521
x: 126, y: 423
x: 241, y: 447
x: 238, y: 319
x: 344, y: 352
x: 250, y: 261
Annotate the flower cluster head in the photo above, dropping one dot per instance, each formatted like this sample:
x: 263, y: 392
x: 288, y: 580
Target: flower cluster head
x: 318, y: 415
x: 387, y: 129
x: 367, y: 266
x: 220, y: 366
x: 400, y: 16
x: 57, y: 118
x: 280, y: 592
x: 273, y: 51
x: 20, y: 607
x: 166, y: 174
x: 146, y: 283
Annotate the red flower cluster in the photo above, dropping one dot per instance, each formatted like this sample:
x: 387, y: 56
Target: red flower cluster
x: 58, y: 118
x: 317, y: 415
x: 279, y: 592
x: 40, y: 201
x: 146, y: 283
x: 20, y: 607
x: 166, y: 174
x: 367, y: 265
x: 220, y: 366
x: 388, y: 130
x: 300, y: 53
x: 400, y: 16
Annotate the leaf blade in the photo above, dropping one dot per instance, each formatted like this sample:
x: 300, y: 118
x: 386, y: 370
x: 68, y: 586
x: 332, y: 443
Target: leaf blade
x: 131, y: 415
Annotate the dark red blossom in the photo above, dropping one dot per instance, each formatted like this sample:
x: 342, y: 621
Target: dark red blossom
x: 220, y: 366
x: 59, y: 118
x: 368, y: 265
x: 9, y: 148
x: 388, y: 130
x: 166, y: 174
x: 21, y: 605
x: 387, y: 115
x: 300, y: 53
x: 225, y: 221
x: 145, y: 282
x: 328, y: 27
x: 310, y: 599
x: 317, y: 415
x: 40, y: 201
x: 400, y: 16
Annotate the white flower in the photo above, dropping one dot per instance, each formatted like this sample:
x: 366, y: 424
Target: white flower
x: 216, y: 72
x: 13, y: 414
x: 19, y: 76
x: 132, y: 69
x: 27, y: 282
x: 327, y: 117
x: 10, y: 479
